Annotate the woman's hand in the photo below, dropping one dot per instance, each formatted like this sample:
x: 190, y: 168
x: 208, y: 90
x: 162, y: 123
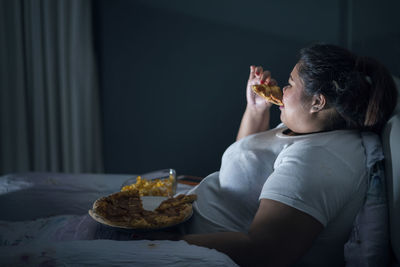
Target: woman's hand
x: 258, y: 76
x: 256, y: 117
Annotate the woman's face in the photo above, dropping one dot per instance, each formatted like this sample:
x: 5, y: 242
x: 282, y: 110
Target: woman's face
x: 295, y: 112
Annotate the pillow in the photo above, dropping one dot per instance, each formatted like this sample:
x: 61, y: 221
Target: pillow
x: 368, y: 244
x: 391, y: 148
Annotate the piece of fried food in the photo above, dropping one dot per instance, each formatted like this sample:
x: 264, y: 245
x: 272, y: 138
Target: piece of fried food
x: 272, y: 93
x: 125, y: 209
x: 167, y: 217
x: 176, y: 201
x: 120, y: 209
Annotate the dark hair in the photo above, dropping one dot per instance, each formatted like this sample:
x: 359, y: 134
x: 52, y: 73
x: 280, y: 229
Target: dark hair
x: 360, y: 88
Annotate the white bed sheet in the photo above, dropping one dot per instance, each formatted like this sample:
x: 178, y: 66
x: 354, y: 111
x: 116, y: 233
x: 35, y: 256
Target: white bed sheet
x: 112, y: 253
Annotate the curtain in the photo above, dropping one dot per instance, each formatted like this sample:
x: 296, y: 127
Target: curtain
x: 49, y: 96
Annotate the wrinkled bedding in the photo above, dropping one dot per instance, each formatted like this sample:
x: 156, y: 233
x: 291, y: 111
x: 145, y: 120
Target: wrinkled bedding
x: 44, y: 222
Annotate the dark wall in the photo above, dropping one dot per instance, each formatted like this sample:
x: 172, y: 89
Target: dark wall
x: 376, y: 31
x: 173, y: 73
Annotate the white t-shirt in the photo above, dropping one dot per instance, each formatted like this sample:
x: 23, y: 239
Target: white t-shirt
x: 322, y: 174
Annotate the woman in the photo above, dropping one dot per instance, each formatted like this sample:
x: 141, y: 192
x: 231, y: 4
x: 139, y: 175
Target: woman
x: 290, y: 194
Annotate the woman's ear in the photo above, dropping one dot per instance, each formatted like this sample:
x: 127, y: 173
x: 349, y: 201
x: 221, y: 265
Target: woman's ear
x: 318, y: 103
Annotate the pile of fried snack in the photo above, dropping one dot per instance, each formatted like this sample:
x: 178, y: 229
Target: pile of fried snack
x: 156, y: 187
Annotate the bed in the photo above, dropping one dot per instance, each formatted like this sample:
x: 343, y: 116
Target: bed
x: 37, y: 196
x: 30, y: 196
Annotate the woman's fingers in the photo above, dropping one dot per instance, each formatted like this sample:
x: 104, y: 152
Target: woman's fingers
x: 259, y: 71
x: 265, y: 77
x: 272, y: 82
x: 252, y: 72
x: 261, y: 75
x: 255, y: 72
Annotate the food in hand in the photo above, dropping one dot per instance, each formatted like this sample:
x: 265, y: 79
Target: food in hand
x: 125, y: 209
x: 156, y: 187
x: 272, y: 93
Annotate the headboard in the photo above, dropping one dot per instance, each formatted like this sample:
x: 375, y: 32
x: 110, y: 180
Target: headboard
x: 391, y: 149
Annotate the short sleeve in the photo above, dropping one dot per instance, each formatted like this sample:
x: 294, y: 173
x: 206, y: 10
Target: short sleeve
x: 312, y: 180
